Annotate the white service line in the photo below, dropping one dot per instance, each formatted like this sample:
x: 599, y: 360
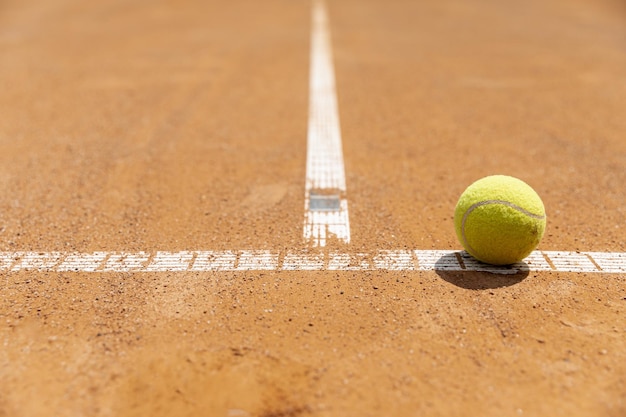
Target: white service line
x: 326, y: 206
x: 308, y: 260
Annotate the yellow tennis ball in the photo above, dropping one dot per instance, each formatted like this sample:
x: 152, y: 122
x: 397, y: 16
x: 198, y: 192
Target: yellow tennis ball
x: 499, y: 219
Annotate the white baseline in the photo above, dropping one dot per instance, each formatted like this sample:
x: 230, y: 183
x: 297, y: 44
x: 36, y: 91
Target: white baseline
x: 326, y: 206
x: 309, y: 260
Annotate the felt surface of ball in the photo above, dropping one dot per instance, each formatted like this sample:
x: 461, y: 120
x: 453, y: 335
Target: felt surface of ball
x: 499, y: 219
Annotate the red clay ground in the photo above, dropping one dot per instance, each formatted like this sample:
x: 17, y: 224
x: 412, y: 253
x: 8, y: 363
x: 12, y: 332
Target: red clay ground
x: 158, y: 125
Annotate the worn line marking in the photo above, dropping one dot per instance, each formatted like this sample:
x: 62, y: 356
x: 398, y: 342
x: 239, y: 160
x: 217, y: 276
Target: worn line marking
x: 81, y: 262
x: 394, y: 260
x: 326, y: 206
x: 570, y: 261
x: 306, y: 260
x: 258, y: 260
x: 215, y: 261
x: 613, y: 262
x: 170, y: 261
x: 126, y: 262
x: 440, y: 260
x: 36, y: 260
x: 537, y: 262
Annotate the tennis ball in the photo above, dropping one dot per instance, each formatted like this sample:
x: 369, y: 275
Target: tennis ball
x: 499, y: 220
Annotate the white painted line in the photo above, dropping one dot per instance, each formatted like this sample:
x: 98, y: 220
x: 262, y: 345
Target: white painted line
x: 471, y: 264
x: 537, y: 262
x: 571, y: 261
x: 126, y: 262
x: 82, y: 262
x: 214, y: 261
x: 326, y: 206
x: 609, y: 262
x: 441, y: 260
x: 394, y: 260
x: 170, y: 261
x: 348, y: 262
x: 36, y: 260
x: 6, y: 260
x: 307, y: 260
x: 257, y: 260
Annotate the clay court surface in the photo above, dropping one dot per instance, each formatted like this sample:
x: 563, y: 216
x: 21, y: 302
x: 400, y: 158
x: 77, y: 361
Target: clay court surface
x: 180, y: 127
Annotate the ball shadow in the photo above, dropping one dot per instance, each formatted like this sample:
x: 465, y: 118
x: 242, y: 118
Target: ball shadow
x: 463, y: 271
